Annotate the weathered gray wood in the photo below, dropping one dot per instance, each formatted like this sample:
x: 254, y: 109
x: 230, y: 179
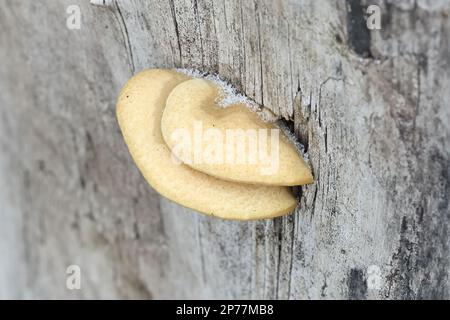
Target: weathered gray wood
x: 372, y: 107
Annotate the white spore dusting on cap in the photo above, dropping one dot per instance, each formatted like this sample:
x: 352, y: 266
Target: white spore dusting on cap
x: 229, y: 95
x: 193, y: 73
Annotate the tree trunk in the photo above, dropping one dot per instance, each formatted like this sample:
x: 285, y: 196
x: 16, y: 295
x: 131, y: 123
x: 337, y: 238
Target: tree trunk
x: 371, y: 107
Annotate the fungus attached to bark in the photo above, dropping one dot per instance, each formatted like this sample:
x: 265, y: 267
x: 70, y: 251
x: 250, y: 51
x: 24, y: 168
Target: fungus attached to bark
x: 231, y: 143
x: 139, y: 110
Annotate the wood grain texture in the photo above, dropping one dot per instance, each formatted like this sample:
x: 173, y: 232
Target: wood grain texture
x: 372, y: 107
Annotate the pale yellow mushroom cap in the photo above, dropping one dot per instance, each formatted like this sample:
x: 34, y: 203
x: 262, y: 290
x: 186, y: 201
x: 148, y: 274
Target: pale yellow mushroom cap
x: 230, y: 143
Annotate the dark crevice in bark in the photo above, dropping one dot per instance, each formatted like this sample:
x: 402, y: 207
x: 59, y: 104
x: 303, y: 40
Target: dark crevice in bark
x: 177, y: 31
x: 356, y: 283
x: 126, y: 37
x: 261, y: 71
x: 278, y: 226
x: 358, y: 35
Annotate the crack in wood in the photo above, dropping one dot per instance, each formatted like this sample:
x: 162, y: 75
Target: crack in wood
x: 126, y: 36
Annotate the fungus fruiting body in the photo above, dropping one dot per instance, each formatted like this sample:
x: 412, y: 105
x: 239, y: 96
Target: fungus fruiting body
x: 139, y: 111
x: 230, y: 143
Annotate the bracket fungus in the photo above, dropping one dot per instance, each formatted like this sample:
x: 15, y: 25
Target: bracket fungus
x: 216, y: 190
x: 231, y: 143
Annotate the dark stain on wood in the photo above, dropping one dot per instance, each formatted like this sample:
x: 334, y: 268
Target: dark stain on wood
x: 357, y: 32
x: 356, y: 283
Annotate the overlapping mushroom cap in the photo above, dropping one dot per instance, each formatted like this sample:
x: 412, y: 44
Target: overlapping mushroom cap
x: 230, y: 143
